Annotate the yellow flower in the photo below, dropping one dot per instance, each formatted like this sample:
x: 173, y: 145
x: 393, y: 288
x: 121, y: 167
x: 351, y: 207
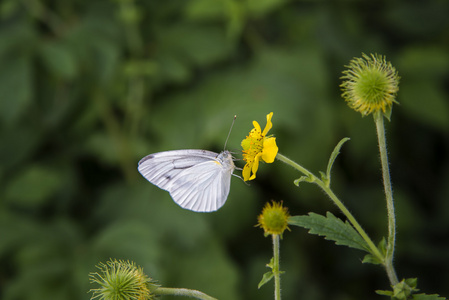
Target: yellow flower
x: 258, y: 146
x: 274, y: 218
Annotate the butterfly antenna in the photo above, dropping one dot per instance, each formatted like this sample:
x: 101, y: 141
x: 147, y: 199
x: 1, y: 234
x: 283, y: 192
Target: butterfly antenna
x: 230, y: 129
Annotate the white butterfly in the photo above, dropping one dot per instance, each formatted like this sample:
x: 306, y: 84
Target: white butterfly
x: 198, y: 180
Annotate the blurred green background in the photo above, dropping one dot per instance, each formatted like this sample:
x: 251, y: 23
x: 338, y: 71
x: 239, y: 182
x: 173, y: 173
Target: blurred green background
x: 87, y: 88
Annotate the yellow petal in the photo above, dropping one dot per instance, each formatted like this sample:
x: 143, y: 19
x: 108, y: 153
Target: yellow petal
x: 255, y: 166
x: 270, y: 150
x: 269, y: 124
x: 246, y: 172
x: 256, y: 129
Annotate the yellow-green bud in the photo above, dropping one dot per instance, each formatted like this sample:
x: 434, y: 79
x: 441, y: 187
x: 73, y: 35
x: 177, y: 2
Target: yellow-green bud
x: 370, y: 85
x: 122, y: 280
x: 274, y: 218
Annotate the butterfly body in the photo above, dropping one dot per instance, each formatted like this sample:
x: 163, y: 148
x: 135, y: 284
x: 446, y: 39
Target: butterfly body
x: 198, y: 180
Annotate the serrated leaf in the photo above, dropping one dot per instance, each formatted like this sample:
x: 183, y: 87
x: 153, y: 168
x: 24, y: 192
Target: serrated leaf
x: 332, y: 228
x: 266, y: 278
x: 427, y: 297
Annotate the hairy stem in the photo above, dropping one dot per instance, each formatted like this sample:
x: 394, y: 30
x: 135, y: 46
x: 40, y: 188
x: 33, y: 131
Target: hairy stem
x: 183, y: 292
x: 378, y: 119
x: 276, y: 272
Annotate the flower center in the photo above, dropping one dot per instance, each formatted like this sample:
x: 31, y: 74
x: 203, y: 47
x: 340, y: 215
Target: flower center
x: 252, y: 146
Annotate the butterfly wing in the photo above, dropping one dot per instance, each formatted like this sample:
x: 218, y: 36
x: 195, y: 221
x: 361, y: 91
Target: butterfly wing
x: 197, y: 180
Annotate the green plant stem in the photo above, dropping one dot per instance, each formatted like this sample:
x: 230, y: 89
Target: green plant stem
x: 374, y: 250
x: 183, y: 292
x: 276, y: 272
x: 378, y: 119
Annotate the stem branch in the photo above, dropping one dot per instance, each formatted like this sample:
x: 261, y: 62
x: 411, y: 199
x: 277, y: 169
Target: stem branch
x: 374, y: 250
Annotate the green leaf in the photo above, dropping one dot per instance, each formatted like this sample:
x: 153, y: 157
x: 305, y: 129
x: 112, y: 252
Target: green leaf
x: 427, y: 297
x: 382, y: 246
x: 387, y: 113
x: 371, y: 259
x: 324, y: 178
x: 271, y: 263
x: 308, y: 178
x: 332, y: 228
x: 412, y: 282
x: 332, y: 159
x: 266, y: 278
x: 404, y: 289
x: 384, y: 293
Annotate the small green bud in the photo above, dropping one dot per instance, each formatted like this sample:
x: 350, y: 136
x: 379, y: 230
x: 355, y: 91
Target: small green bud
x: 274, y: 219
x: 120, y: 280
